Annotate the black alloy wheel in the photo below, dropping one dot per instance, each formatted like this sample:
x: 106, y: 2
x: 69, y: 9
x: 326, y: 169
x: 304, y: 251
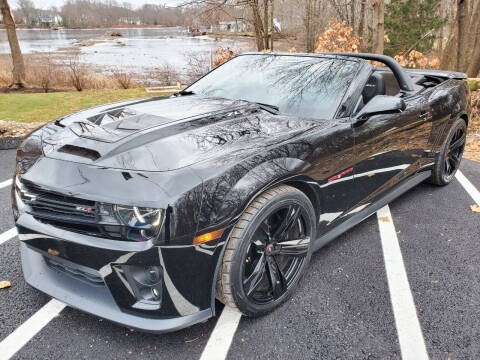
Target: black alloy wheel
x: 448, y: 160
x: 454, y: 153
x: 276, y: 254
x: 268, y: 251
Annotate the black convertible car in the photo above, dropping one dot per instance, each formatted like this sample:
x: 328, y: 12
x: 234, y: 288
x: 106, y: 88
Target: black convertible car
x: 143, y: 212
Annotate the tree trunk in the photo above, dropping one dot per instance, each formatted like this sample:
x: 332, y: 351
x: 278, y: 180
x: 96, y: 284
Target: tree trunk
x: 352, y: 17
x: 450, y: 48
x: 462, y: 18
x: 361, y: 22
x: 18, y: 73
x: 473, y: 68
x: 265, y: 23
x: 271, y: 24
x: 308, y: 25
x: 257, y: 25
x: 379, y: 31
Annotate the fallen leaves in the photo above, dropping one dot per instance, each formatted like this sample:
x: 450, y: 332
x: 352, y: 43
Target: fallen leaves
x: 384, y: 218
x: 5, y: 284
x: 475, y: 208
x: 472, y: 150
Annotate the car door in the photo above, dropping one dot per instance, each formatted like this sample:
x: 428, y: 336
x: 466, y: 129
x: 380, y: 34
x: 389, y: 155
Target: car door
x: 332, y: 170
x: 389, y: 148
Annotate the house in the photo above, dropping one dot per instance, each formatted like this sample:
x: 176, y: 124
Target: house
x: 44, y: 19
x: 231, y: 26
x: 130, y: 20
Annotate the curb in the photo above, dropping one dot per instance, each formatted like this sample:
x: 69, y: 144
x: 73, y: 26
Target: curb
x: 9, y: 143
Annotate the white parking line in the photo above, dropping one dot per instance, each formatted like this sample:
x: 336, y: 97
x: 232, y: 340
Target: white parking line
x: 412, y: 344
x: 468, y: 186
x: 222, y: 335
x: 7, y: 235
x: 5, y: 183
x: 22, y: 335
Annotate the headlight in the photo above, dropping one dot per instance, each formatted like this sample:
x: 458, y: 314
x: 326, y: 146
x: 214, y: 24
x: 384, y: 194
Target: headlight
x: 143, y: 223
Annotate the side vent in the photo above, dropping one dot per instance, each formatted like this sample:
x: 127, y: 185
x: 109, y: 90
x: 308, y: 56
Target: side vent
x: 80, y: 151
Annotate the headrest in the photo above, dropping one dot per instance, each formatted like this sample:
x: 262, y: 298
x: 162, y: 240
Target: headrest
x: 375, y: 86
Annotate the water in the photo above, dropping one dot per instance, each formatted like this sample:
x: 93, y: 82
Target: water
x: 143, y: 49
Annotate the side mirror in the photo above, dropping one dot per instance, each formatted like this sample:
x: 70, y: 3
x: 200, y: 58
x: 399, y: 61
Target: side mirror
x: 380, y: 104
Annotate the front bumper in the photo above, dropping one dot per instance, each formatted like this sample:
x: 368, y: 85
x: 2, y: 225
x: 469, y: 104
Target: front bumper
x: 96, y: 300
x: 89, y: 279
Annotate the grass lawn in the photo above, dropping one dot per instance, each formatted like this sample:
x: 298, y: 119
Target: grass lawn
x: 46, y: 107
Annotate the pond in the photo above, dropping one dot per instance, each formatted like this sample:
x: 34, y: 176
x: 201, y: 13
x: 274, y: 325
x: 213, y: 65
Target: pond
x: 138, y: 50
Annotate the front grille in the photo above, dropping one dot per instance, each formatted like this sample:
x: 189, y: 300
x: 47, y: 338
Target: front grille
x: 50, y: 205
x: 68, y: 213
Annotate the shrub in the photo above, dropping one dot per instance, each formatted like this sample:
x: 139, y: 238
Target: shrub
x: 338, y: 37
x: 124, y: 79
x: 224, y: 54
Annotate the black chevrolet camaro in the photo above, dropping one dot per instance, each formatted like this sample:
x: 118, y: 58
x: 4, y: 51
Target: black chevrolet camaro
x: 143, y: 212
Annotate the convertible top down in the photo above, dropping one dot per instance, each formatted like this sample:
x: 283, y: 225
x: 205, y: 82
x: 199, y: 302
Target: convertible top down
x: 143, y: 212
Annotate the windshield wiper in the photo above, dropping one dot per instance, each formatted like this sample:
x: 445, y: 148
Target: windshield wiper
x: 272, y: 109
x: 184, y: 93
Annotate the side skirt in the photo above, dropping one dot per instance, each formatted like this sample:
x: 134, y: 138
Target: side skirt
x: 371, y: 209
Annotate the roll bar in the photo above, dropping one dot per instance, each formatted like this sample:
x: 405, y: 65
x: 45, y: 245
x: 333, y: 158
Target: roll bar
x: 404, y: 80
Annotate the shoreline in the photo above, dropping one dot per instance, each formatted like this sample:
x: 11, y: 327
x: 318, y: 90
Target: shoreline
x: 24, y: 27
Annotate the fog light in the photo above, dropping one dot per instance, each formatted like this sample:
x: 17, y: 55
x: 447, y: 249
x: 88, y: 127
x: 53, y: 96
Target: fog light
x: 146, y: 283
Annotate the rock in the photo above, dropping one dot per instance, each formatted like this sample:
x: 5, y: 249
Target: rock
x: 113, y: 34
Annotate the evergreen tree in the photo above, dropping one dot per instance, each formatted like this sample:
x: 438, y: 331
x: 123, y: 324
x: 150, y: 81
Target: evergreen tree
x: 408, y: 21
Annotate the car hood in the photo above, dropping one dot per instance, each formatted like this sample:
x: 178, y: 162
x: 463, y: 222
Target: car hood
x: 162, y: 134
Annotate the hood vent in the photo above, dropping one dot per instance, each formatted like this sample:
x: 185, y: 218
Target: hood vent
x: 80, y: 151
x: 116, y: 124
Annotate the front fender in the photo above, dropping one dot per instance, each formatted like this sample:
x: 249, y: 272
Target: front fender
x: 226, y: 196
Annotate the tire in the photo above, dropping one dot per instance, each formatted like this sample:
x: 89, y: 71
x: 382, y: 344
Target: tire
x: 448, y: 160
x: 259, y: 243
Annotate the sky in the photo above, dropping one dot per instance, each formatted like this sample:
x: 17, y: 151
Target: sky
x: 45, y: 4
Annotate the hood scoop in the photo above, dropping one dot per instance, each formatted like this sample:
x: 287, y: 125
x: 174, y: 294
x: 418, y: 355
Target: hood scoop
x: 80, y: 151
x: 114, y: 125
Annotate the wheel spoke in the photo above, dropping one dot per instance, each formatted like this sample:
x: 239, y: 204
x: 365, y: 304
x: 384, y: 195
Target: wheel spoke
x: 251, y: 283
x: 277, y: 281
x: 455, y: 159
x: 297, y: 247
x: 265, y: 228
x: 457, y: 144
x: 287, y: 222
x: 447, y: 166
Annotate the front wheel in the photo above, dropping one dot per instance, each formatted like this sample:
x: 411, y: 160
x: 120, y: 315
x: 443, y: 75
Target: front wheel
x: 448, y: 161
x: 268, y: 251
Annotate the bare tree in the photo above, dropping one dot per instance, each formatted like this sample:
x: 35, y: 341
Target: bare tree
x: 361, y: 22
x: 379, y: 28
x: 45, y: 72
x: 474, y: 43
x: 462, y: 23
x: 123, y: 78
x: 77, y: 70
x: 27, y: 9
x: 18, y: 72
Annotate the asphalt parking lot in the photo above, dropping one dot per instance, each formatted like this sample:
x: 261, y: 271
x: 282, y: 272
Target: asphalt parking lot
x: 342, y: 309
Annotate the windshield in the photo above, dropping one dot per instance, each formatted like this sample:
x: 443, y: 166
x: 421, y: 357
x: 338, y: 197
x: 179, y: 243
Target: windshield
x: 298, y: 85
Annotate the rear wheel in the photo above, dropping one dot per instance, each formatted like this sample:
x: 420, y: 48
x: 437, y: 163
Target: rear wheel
x: 268, y: 251
x: 448, y: 161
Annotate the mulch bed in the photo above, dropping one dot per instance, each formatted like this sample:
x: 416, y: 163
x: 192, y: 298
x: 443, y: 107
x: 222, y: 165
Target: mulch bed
x: 11, y: 133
